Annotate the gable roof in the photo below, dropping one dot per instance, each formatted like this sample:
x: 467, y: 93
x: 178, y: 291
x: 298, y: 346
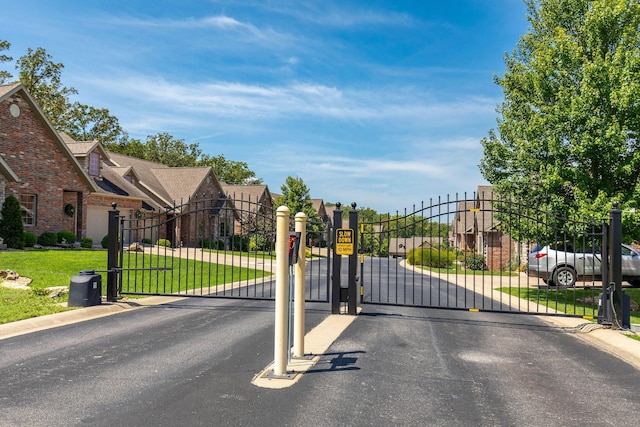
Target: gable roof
x: 166, y: 185
x: 252, y: 192
x: 17, y: 89
x: 181, y: 183
x: 83, y: 148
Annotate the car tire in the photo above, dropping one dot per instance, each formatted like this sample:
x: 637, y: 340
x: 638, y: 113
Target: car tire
x: 564, y: 276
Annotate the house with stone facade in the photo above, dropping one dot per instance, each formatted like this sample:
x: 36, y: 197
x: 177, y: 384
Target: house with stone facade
x: 38, y: 168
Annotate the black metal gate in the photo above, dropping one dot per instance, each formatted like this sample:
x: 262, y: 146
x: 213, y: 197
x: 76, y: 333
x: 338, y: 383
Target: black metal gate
x: 473, y: 253
x: 209, y: 247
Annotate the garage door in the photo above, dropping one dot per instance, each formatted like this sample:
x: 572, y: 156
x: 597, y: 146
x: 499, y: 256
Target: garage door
x: 98, y: 222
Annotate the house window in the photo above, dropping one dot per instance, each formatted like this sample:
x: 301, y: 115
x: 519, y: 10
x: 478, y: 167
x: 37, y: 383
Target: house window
x: 94, y: 164
x: 28, y: 203
x: 128, y: 178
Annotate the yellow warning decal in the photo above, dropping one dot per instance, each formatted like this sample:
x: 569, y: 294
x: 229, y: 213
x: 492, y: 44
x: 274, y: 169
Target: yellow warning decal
x: 474, y: 310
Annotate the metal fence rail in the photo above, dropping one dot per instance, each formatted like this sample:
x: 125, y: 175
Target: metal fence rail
x: 471, y: 253
x: 207, y: 248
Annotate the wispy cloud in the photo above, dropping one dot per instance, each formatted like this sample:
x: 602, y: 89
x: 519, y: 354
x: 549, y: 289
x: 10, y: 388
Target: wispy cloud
x: 235, y: 99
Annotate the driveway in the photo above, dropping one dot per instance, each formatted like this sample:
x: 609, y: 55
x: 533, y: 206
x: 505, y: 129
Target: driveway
x: 192, y: 362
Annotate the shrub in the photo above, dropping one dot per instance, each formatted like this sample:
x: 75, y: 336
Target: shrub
x: 146, y: 241
x: 163, y: 242
x: 11, y: 226
x: 434, y: 258
x: 240, y: 243
x: 48, y: 239
x: 86, y: 242
x: 473, y: 261
x: 220, y: 245
x: 105, y: 242
x: 205, y: 243
x: 260, y: 243
x: 66, y: 236
x: 30, y: 239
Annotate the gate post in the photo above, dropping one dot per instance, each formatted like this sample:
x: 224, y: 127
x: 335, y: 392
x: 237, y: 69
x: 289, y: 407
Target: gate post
x: 337, y: 263
x: 112, y: 253
x: 353, y: 261
x: 300, y: 272
x: 280, y: 356
x: 615, y: 216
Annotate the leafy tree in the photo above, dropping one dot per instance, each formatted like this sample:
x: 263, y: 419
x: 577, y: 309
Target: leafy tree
x: 41, y: 77
x: 86, y: 123
x: 164, y: 148
x: 296, y: 196
x: 5, y: 75
x: 11, y: 226
x: 229, y: 171
x: 568, y: 128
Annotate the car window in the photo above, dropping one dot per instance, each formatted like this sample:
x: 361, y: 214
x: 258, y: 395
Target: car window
x: 562, y: 246
x: 536, y: 248
x: 627, y: 251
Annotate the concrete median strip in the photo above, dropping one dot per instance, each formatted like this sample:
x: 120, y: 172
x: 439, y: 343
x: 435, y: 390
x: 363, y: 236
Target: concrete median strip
x: 316, y: 343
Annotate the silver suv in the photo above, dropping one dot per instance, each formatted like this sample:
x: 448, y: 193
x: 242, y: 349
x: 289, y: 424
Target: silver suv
x: 562, y: 266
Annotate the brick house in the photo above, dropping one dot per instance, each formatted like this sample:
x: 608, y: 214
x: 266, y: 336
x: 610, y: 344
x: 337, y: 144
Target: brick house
x: 254, y: 204
x: 112, y: 187
x: 475, y: 229
x: 38, y: 168
x: 174, y: 189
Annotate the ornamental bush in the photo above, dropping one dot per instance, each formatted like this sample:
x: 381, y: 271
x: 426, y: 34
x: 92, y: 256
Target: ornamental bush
x: 428, y: 257
x: 163, y: 242
x: 30, y: 239
x: 473, y: 261
x: 105, y: 242
x: 66, y: 236
x: 86, y: 242
x: 48, y: 239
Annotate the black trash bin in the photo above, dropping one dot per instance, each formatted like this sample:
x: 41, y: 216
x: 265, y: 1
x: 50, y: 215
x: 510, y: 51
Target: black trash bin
x: 85, y: 289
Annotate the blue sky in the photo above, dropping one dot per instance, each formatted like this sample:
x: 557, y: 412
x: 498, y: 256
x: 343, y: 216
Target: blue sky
x: 379, y: 102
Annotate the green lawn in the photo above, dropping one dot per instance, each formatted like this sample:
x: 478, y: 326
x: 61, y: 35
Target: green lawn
x: 181, y: 275
x: 574, y: 301
x: 459, y: 269
x: 48, y: 268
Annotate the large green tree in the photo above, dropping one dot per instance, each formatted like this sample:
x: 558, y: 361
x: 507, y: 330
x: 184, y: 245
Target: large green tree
x: 86, y: 123
x: 42, y: 78
x: 568, y: 129
x: 229, y: 171
x: 296, y: 196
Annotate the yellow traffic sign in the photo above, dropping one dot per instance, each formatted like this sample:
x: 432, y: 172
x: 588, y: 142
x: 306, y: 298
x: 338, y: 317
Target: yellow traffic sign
x: 345, y: 239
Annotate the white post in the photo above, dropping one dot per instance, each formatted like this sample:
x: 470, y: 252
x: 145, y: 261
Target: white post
x: 298, y: 320
x: 281, y: 352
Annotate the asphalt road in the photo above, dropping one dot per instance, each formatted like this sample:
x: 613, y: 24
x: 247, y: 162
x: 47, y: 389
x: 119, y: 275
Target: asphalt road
x: 191, y: 363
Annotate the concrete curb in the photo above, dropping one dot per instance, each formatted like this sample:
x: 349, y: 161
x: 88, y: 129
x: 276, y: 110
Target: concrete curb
x: 81, y: 314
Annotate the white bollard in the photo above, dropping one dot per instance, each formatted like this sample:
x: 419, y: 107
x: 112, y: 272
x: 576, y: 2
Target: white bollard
x: 281, y: 341
x: 300, y: 270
